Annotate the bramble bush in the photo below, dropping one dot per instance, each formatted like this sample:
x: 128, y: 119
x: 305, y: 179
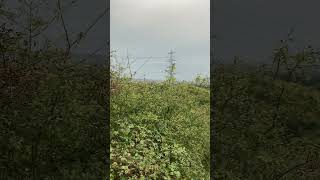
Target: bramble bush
x: 50, y: 112
x: 267, y: 121
x: 159, y: 130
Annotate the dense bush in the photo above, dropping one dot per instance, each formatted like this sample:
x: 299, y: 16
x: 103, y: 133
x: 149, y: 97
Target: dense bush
x: 267, y: 126
x: 53, y: 115
x: 159, y: 130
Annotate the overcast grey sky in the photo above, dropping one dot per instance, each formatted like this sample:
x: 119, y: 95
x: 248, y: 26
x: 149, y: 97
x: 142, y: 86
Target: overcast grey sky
x: 153, y: 27
x: 78, y: 17
x: 252, y: 28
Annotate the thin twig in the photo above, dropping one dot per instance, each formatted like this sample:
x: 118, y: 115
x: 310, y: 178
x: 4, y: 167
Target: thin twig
x: 85, y: 33
x: 68, y: 45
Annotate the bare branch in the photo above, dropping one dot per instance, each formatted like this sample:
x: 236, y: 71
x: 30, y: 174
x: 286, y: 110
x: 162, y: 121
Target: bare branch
x: 85, y: 33
x: 68, y: 45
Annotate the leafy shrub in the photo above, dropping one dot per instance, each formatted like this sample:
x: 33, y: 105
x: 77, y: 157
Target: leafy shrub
x: 159, y: 130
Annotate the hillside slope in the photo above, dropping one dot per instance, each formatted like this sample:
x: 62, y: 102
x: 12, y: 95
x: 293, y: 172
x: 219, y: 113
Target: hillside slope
x: 159, y: 130
x: 266, y: 128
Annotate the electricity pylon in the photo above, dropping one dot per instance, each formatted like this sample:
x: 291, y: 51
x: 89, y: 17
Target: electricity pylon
x: 172, y: 65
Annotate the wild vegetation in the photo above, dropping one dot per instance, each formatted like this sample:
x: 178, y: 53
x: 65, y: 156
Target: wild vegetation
x: 54, y: 116
x: 267, y: 121
x: 53, y: 113
x: 264, y: 122
x: 159, y: 129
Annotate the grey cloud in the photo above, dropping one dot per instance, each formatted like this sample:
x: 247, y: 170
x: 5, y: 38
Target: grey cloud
x: 153, y: 27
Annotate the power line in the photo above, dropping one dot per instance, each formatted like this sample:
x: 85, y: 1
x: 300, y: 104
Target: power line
x: 152, y: 57
x: 172, y: 64
x: 141, y: 58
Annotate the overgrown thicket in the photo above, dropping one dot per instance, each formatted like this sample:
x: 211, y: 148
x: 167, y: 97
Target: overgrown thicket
x: 53, y: 113
x: 159, y: 130
x: 267, y: 121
